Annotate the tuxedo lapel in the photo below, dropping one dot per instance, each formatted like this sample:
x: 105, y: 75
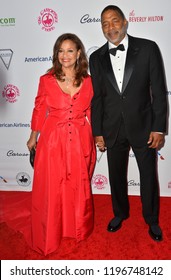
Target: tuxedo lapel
x: 106, y: 63
x: 130, y: 63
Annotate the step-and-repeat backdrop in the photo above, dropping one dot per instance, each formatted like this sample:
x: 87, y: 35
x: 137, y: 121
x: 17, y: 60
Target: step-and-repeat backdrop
x: 28, y: 31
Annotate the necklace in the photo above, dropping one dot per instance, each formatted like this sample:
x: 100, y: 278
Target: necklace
x: 68, y: 81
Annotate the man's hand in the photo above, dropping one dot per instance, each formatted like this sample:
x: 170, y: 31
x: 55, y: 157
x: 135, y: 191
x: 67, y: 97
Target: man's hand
x: 155, y: 140
x: 99, y: 141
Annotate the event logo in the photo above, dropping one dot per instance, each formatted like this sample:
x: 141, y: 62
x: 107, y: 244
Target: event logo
x: 7, y: 22
x: 87, y: 19
x: 38, y: 59
x: 132, y: 183
x: 4, y: 180
x: 99, y: 155
x: 7, y: 125
x: 99, y: 182
x: 47, y: 19
x: 142, y: 19
x: 132, y: 155
x: 10, y: 93
x: 11, y: 153
x: 6, y: 56
x: 23, y: 179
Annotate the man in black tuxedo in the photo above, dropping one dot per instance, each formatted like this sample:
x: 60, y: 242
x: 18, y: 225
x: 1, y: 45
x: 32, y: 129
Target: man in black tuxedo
x: 129, y: 109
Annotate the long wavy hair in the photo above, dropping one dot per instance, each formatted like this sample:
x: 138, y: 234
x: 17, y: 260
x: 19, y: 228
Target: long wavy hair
x: 81, y: 66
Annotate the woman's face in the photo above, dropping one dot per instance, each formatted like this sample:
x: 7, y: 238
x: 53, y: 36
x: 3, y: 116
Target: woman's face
x: 68, y: 54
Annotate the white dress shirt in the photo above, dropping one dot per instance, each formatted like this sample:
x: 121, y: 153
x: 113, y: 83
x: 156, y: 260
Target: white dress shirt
x: 118, y: 61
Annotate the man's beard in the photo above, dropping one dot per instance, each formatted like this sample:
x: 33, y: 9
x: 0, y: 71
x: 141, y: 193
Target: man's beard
x: 119, y: 38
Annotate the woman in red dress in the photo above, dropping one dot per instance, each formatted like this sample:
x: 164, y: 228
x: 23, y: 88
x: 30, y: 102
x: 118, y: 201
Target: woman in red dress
x: 62, y: 204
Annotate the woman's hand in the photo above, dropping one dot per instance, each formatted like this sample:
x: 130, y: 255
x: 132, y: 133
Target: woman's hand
x: 32, y: 142
x: 100, y: 143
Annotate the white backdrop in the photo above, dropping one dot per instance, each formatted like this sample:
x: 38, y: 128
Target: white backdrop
x: 28, y: 31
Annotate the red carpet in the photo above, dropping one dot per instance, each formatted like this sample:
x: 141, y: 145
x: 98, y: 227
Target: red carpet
x: 131, y: 242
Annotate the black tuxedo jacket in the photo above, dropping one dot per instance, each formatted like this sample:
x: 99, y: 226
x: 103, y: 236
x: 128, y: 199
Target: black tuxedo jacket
x: 141, y: 103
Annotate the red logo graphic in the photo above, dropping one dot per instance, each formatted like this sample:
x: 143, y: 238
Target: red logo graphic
x: 99, y: 181
x: 48, y: 18
x: 10, y: 93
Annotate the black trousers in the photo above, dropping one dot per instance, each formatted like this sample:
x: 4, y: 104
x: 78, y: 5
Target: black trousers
x: 118, y: 157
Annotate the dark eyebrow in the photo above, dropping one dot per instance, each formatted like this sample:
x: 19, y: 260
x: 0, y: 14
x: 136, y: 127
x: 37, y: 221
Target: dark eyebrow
x: 114, y: 18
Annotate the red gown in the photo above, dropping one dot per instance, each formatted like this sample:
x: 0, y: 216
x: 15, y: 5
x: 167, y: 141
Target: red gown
x: 62, y: 203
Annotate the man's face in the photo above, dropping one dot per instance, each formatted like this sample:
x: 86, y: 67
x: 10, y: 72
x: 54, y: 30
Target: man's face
x: 114, y: 26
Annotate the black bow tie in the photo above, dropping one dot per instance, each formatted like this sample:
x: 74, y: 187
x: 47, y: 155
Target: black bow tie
x: 114, y: 50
